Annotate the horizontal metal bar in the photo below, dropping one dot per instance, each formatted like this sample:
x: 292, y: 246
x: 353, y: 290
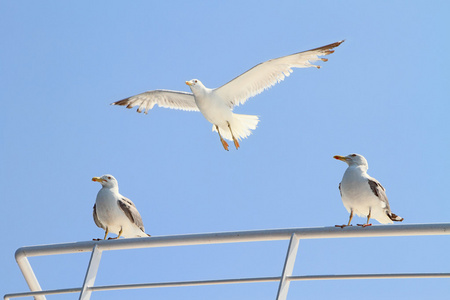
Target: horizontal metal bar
x: 146, y: 285
x: 371, y: 276
x: 237, y: 237
x: 234, y: 281
x: 42, y: 293
x: 183, y: 283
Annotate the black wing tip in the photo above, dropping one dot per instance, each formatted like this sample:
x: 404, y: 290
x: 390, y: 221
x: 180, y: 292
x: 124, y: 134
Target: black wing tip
x: 327, y: 48
x: 122, y: 102
x: 126, y: 102
x: 334, y: 45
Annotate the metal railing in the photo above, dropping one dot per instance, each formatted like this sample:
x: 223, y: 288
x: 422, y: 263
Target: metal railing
x: 292, y: 234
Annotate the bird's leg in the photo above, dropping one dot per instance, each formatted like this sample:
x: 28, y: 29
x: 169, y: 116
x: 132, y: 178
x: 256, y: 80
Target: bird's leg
x: 349, y: 221
x: 236, y: 143
x: 351, y: 217
x: 106, y: 233
x: 368, y: 219
x: 224, y: 143
x: 120, y: 233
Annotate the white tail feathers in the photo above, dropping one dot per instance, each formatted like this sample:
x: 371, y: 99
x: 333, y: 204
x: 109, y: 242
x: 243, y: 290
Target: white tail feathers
x: 241, y: 125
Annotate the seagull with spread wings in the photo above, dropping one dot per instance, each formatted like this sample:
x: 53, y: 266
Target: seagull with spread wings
x: 363, y: 195
x: 217, y: 104
x: 116, y: 213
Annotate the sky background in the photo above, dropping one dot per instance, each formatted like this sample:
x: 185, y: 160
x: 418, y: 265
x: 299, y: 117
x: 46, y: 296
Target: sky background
x: 384, y: 94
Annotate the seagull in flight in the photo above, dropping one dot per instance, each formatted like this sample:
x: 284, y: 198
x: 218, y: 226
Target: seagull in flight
x: 362, y: 194
x: 217, y: 104
x: 116, y: 213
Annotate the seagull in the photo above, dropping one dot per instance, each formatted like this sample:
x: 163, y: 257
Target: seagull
x: 362, y: 194
x: 116, y: 213
x: 217, y: 104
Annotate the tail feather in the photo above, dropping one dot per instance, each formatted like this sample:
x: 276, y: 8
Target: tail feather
x: 396, y: 218
x: 241, y: 125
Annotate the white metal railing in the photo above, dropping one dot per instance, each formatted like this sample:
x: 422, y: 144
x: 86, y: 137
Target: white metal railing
x: 292, y: 234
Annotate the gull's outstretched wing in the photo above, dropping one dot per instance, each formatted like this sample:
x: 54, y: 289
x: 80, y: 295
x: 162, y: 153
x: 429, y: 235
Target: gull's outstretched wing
x: 131, y: 212
x: 163, y: 98
x: 269, y: 73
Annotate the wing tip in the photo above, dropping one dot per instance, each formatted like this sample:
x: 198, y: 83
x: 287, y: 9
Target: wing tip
x: 122, y: 102
x: 327, y: 48
x: 334, y: 45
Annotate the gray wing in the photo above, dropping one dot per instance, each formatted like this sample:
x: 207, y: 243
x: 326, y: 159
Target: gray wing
x: 269, y: 73
x: 131, y: 212
x: 96, y: 220
x: 379, y: 191
x: 164, y: 98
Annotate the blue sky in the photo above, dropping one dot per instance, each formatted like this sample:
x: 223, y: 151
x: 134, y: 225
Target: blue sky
x: 384, y: 93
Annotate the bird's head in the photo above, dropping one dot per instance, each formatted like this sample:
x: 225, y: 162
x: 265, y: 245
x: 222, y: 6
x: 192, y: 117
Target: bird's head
x: 107, y: 181
x: 353, y: 160
x: 195, y: 84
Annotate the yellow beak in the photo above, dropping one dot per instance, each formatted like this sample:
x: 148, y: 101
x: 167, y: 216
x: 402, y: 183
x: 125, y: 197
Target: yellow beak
x: 98, y: 179
x: 188, y: 83
x: 338, y: 157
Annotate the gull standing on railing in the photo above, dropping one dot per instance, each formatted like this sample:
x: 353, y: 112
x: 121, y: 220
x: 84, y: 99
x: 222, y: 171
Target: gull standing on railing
x: 362, y: 194
x: 116, y: 213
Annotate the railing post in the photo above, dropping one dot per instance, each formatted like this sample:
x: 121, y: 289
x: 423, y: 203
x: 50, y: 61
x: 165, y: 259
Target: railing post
x: 91, y: 273
x: 28, y: 273
x: 288, y: 268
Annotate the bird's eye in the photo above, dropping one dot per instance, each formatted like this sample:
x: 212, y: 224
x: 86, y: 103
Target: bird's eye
x: 109, y: 177
x: 195, y: 81
x: 353, y: 155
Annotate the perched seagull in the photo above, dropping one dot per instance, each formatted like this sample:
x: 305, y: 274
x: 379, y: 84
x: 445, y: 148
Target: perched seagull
x: 116, y: 213
x: 217, y: 104
x: 362, y: 194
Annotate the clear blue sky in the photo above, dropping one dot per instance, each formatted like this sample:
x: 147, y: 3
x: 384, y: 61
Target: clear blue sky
x: 384, y: 93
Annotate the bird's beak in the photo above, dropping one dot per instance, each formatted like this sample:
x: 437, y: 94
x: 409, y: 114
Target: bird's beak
x: 188, y: 83
x: 338, y: 157
x: 98, y: 179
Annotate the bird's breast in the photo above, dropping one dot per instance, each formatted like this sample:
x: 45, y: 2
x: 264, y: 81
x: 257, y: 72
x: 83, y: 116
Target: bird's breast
x: 107, y: 208
x: 354, y: 184
x: 213, y: 108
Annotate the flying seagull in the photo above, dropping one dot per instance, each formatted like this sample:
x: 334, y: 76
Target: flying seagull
x: 362, y: 194
x: 116, y: 213
x: 217, y: 104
